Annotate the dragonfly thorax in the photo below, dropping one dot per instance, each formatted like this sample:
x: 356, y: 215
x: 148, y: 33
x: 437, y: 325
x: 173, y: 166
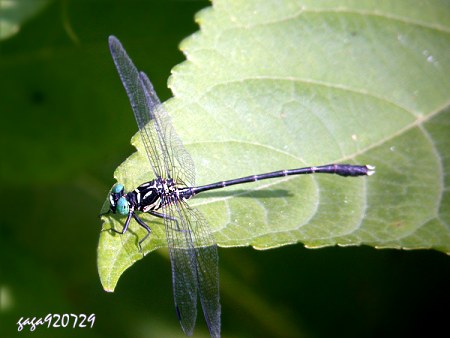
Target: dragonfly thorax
x: 148, y: 196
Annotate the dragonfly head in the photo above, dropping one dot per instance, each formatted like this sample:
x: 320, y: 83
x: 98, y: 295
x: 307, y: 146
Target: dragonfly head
x: 118, y: 201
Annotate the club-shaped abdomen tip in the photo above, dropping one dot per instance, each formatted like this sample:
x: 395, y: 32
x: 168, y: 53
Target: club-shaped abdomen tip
x: 370, y: 169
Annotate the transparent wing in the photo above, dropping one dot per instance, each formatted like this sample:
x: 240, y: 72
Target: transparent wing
x: 178, y: 163
x: 142, y: 107
x: 168, y: 158
x: 207, y: 270
x: 193, y: 252
x: 194, y: 258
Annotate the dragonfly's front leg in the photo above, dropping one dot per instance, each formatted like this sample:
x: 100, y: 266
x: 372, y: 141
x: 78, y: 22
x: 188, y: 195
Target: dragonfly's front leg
x: 140, y: 222
x: 173, y: 219
x: 145, y: 226
x: 127, y: 223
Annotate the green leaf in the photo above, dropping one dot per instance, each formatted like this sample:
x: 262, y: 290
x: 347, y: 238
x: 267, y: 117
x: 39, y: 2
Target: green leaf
x: 284, y: 84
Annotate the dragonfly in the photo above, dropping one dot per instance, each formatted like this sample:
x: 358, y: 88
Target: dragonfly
x: 192, y: 248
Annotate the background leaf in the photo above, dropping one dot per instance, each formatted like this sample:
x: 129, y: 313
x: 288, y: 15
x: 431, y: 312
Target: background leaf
x: 308, y: 84
x: 66, y: 124
x: 13, y: 13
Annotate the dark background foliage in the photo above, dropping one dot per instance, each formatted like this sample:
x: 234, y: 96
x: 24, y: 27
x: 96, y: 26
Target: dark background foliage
x: 66, y: 125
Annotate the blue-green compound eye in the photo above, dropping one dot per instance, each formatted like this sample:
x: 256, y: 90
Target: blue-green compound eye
x: 117, y: 189
x: 122, y: 206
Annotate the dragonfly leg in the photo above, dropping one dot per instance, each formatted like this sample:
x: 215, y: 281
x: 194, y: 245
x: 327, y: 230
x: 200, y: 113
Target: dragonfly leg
x: 145, y: 226
x: 104, y: 213
x: 127, y: 223
x: 173, y: 219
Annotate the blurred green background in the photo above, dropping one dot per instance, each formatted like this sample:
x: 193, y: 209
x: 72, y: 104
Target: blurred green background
x: 66, y: 125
